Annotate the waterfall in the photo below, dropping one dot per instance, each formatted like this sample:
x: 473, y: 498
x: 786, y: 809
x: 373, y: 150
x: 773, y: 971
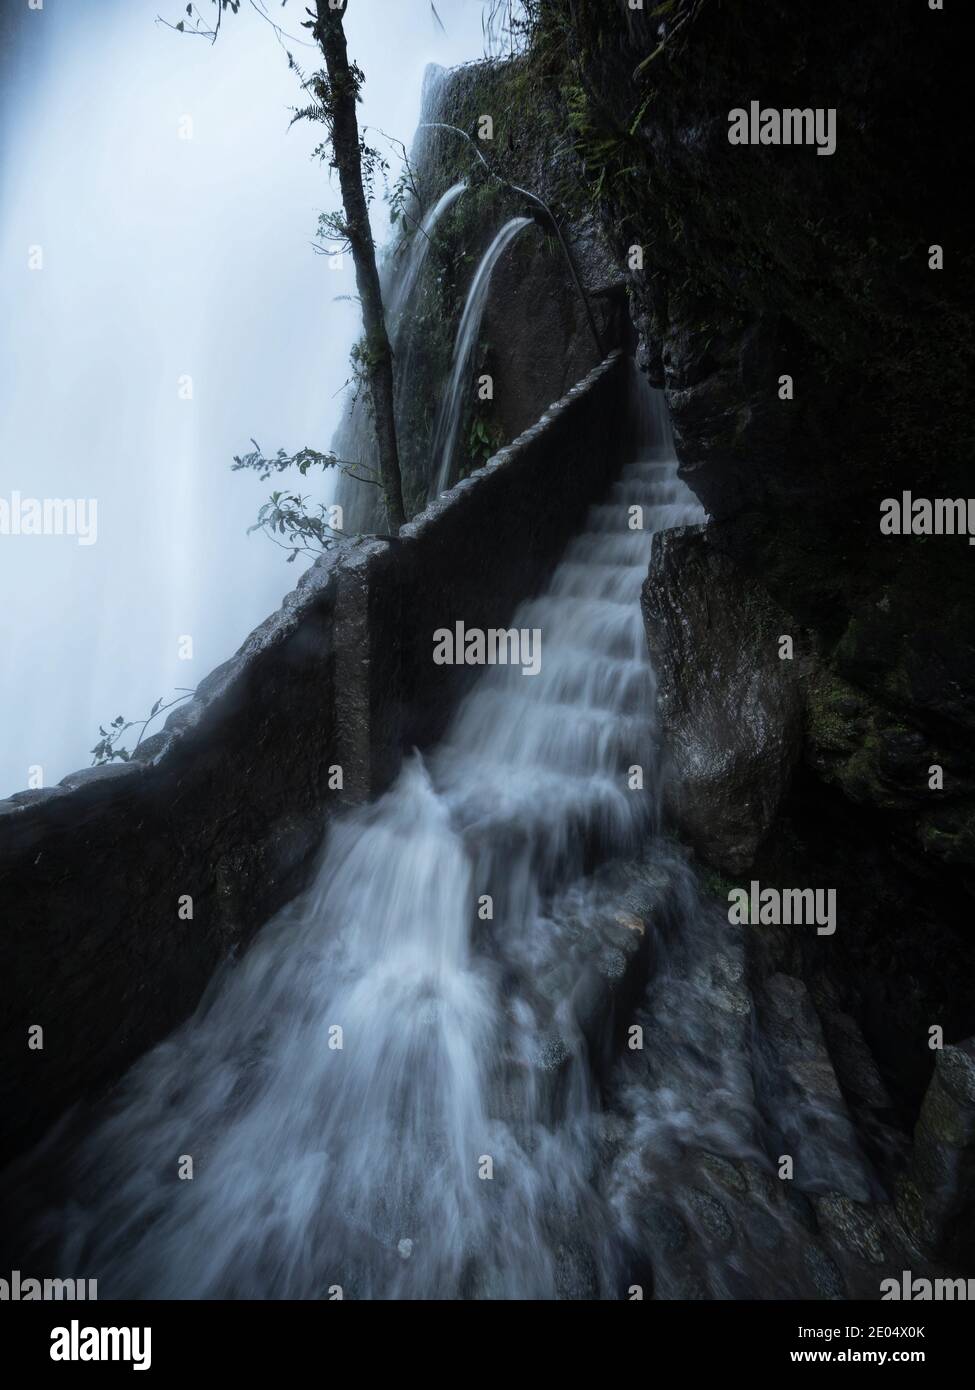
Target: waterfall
x: 451, y: 411
x: 403, y: 297
x: 411, y: 1086
x: 355, y: 439
x: 441, y: 1144
x: 405, y: 286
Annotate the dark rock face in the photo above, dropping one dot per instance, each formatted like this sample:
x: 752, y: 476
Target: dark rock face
x: 535, y: 339
x: 937, y: 1198
x: 229, y: 803
x: 730, y: 708
x: 710, y: 1206
x: 804, y: 1095
x: 762, y: 262
x: 226, y: 806
x: 538, y: 339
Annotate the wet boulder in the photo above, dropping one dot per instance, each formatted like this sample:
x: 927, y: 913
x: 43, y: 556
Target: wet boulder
x: 730, y: 705
x: 935, y: 1200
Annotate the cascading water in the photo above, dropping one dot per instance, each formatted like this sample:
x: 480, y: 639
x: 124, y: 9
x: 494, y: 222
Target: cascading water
x: 396, y: 1094
x: 404, y: 292
x: 451, y: 410
x: 355, y: 439
x: 419, y: 249
x: 365, y: 1165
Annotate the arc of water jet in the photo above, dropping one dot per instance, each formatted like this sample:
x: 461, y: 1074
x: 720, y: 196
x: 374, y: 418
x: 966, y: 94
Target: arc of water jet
x: 448, y: 422
x: 533, y: 198
x: 418, y: 254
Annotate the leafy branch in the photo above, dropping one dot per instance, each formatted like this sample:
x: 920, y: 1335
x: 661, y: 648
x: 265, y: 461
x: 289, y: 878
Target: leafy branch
x: 197, y: 25
x: 108, y: 749
x: 405, y: 186
x: 305, y: 532
x: 321, y: 109
x: 285, y: 518
x: 303, y: 459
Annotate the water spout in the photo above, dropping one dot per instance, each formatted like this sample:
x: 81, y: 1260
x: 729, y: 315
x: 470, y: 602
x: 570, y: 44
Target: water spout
x: 355, y: 437
x: 403, y: 290
x: 452, y: 408
x: 548, y: 220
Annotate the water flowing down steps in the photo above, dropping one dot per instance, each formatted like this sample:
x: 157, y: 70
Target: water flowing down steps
x: 396, y: 1096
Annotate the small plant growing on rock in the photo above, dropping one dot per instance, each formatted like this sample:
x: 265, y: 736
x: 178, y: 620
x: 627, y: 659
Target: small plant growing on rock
x: 484, y: 441
x: 108, y: 749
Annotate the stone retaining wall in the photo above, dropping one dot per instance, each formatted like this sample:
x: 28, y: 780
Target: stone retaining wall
x: 229, y: 803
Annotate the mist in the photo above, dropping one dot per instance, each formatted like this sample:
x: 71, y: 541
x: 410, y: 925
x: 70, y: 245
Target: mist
x: 164, y: 306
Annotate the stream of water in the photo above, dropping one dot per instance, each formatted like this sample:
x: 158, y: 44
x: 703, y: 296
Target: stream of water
x: 412, y: 1085
x: 451, y: 411
x: 355, y: 439
x: 445, y: 1147
x: 405, y: 284
x: 415, y: 1084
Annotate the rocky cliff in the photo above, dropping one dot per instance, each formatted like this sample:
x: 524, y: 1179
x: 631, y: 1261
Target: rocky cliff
x: 535, y: 340
x: 761, y: 263
x: 812, y: 671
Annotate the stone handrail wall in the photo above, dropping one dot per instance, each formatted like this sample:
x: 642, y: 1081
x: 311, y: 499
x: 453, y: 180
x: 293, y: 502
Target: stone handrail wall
x: 229, y: 803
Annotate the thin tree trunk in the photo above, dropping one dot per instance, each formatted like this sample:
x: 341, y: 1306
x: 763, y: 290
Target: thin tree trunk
x: 346, y: 159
